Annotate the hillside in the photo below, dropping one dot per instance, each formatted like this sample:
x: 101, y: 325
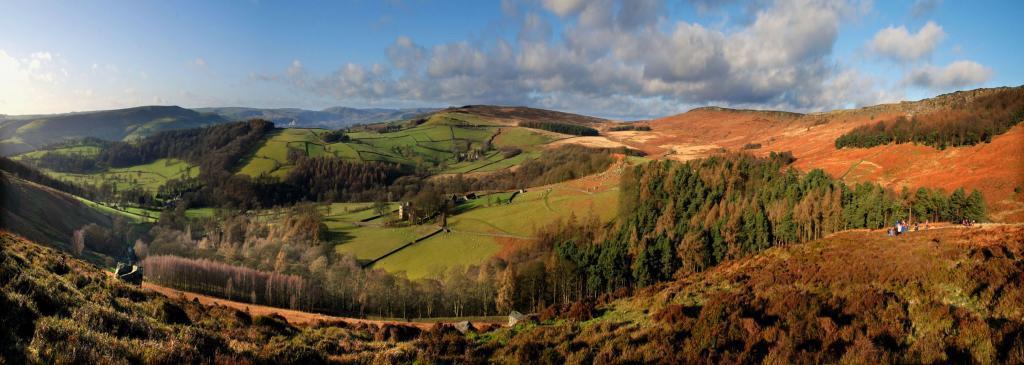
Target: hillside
x: 471, y: 139
x: 948, y: 295
x: 26, y: 134
x: 516, y: 114
x: 943, y: 295
x: 43, y: 214
x: 995, y: 168
x: 329, y: 118
x: 60, y: 310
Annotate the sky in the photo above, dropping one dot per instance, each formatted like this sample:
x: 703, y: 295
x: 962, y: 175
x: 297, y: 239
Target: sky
x: 628, y: 59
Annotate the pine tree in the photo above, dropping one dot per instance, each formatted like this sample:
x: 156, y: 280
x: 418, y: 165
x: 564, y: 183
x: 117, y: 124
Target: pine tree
x: 975, y: 207
x: 957, y: 204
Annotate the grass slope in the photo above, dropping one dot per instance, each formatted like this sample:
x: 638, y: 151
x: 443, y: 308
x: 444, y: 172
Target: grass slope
x: 148, y: 176
x: 489, y: 225
x: 43, y: 214
x: 434, y: 143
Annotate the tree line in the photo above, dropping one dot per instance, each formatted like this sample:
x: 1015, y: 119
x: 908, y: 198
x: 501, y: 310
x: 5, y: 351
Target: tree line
x: 975, y: 122
x: 630, y: 127
x: 564, y: 128
x: 233, y: 282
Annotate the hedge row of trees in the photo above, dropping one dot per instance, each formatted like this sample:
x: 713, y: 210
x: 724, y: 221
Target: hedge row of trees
x: 975, y: 122
x: 232, y: 282
x: 630, y: 127
x: 565, y: 128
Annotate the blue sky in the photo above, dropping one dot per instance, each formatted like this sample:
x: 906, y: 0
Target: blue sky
x: 620, y: 59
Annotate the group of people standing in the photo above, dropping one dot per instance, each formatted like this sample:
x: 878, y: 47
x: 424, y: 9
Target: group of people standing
x: 902, y: 227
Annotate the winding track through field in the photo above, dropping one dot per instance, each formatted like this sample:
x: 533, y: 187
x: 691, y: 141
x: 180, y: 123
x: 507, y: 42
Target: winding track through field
x: 854, y: 166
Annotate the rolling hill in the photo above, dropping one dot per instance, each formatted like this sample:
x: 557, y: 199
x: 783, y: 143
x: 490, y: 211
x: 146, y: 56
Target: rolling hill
x: 443, y: 141
x: 329, y: 118
x: 22, y: 134
x: 994, y: 168
x: 516, y: 114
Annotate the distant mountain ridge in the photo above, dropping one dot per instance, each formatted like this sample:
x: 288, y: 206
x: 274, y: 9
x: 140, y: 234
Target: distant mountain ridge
x: 331, y: 118
x: 26, y: 133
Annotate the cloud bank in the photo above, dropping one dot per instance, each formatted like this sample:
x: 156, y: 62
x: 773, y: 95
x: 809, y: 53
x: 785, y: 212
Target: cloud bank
x: 621, y: 58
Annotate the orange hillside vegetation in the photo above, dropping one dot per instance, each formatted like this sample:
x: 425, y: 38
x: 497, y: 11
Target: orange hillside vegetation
x: 996, y: 168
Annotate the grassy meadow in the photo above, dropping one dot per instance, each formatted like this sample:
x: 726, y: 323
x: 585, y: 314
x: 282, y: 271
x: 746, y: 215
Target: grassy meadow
x: 433, y: 143
x: 149, y: 176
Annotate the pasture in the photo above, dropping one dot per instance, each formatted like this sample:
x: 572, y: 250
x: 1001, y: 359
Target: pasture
x: 489, y: 225
x: 438, y: 253
x: 440, y: 143
x: 84, y: 150
x: 149, y: 176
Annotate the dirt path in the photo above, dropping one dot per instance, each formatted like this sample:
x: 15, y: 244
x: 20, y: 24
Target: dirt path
x: 292, y: 316
x: 855, y: 164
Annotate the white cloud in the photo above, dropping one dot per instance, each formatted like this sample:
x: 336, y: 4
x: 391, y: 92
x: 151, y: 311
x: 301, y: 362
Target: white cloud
x: 622, y: 58
x: 900, y: 45
x: 199, y: 62
x: 958, y: 74
x: 46, y: 82
x: 564, y: 8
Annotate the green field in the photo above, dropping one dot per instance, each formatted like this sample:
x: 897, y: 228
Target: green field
x: 135, y: 215
x: 88, y: 151
x: 482, y: 226
x: 197, y: 213
x: 365, y: 240
x: 438, y: 253
x: 272, y: 157
x: 149, y: 176
x: 479, y: 228
x: 433, y: 144
x: 370, y: 243
x: 534, y: 208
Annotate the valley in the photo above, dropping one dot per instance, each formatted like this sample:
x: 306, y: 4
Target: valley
x: 472, y: 213
x: 511, y: 182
